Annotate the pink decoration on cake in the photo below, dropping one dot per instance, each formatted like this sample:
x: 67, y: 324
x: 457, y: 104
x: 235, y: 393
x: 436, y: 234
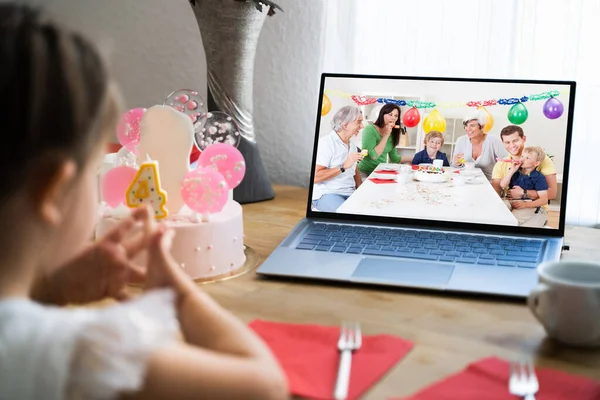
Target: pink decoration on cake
x: 128, y: 128
x: 114, y: 184
x: 204, y: 190
x: 227, y: 160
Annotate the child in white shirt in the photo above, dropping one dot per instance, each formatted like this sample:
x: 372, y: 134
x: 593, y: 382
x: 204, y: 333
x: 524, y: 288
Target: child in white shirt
x: 58, y: 105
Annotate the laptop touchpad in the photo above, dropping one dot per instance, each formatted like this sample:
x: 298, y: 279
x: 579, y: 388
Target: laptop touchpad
x: 406, y: 272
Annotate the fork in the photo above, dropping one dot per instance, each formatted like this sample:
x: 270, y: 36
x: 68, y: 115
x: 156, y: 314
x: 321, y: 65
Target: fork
x: 522, y: 381
x: 350, y: 340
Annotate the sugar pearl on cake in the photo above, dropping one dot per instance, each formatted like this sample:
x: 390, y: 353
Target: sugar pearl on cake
x: 198, y: 248
x: 183, y: 265
x: 235, y: 238
x: 212, y: 268
x: 209, y: 246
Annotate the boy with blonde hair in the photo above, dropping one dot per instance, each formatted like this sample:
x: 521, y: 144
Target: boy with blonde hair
x: 524, y: 174
x: 434, y: 141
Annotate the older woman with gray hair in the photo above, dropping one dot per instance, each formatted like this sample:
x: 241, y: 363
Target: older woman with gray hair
x: 478, y: 147
x: 336, y: 172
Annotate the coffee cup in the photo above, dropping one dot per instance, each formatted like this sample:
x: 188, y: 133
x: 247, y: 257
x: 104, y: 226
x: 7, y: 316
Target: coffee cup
x: 566, y: 301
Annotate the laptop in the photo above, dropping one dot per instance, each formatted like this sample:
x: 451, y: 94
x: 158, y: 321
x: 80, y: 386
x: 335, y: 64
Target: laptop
x: 422, y: 226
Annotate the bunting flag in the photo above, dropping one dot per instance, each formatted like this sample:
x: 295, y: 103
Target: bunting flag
x: 362, y: 100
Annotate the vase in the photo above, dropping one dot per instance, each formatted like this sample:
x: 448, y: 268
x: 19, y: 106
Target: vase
x: 230, y: 31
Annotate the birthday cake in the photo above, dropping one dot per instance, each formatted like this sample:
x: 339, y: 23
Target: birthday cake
x: 196, y: 203
x: 424, y: 173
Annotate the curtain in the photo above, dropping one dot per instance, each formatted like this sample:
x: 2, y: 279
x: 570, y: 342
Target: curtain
x: 519, y: 39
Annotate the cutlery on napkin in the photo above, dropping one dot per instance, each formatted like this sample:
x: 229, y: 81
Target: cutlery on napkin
x: 309, y: 356
x: 488, y: 379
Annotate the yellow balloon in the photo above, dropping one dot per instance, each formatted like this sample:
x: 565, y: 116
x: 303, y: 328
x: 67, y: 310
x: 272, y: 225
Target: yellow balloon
x: 434, y: 122
x: 326, y: 106
x: 489, y: 120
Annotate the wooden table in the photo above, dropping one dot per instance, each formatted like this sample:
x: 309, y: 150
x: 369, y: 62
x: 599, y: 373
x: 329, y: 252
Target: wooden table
x: 448, y: 331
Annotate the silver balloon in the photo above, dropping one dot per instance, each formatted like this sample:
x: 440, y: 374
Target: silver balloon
x: 188, y: 102
x: 217, y: 127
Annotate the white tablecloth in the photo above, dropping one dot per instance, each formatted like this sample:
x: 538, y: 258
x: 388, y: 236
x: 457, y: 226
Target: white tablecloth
x: 469, y: 202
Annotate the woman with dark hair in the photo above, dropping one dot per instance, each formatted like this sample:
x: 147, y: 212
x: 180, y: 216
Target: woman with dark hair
x: 380, y: 140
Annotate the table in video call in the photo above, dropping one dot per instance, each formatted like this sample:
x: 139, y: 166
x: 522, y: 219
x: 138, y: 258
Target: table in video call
x: 469, y: 202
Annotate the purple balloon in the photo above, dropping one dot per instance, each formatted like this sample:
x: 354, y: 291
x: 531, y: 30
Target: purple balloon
x: 553, y: 108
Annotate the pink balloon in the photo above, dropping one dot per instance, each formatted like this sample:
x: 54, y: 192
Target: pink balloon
x: 115, y: 183
x: 204, y: 190
x: 227, y: 160
x: 128, y: 128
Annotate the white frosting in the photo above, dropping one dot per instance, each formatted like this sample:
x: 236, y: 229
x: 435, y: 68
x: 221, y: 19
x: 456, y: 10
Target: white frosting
x: 423, y: 176
x: 203, y: 249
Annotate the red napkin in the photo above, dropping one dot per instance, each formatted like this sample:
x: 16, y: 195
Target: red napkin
x: 308, y: 354
x: 387, y: 171
x: 377, y: 180
x: 488, y: 379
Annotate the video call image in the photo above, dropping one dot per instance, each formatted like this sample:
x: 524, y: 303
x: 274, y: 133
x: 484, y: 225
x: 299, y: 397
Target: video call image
x: 456, y: 151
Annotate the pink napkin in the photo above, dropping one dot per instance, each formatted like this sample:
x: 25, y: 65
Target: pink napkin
x: 308, y: 354
x: 387, y: 171
x: 377, y: 180
x: 488, y: 379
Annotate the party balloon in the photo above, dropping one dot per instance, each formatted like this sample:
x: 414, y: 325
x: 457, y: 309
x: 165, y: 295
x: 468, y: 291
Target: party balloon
x: 518, y: 114
x: 553, y: 108
x: 204, y: 190
x: 188, y: 102
x: 227, y: 160
x: 217, y: 127
x: 434, y: 122
x: 411, y: 118
x: 115, y: 183
x: 128, y: 128
x: 489, y: 120
x: 326, y: 106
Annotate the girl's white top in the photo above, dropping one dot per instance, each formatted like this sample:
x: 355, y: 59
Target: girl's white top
x: 81, y: 353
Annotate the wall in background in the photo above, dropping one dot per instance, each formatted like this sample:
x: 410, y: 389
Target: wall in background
x: 155, y: 48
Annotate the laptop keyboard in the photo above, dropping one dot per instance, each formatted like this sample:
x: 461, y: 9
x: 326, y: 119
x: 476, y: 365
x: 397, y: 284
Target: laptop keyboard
x: 422, y: 245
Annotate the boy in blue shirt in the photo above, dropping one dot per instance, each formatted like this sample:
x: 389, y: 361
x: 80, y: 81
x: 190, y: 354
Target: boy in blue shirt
x: 523, y: 173
x: 433, y: 143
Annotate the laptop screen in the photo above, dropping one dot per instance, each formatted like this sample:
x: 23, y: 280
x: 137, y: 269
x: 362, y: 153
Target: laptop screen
x: 477, y: 154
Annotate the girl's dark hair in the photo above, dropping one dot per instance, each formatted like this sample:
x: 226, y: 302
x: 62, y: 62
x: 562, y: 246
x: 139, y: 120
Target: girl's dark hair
x: 55, y: 97
x: 380, y: 122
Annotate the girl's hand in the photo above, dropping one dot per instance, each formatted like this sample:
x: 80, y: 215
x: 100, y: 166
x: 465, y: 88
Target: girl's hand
x: 163, y: 270
x: 102, y: 269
